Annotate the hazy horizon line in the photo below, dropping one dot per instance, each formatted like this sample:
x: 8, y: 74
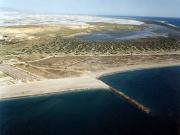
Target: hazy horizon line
x: 58, y: 13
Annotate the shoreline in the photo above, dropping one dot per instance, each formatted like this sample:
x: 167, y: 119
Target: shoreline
x: 51, y: 94
x: 50, y: 86
x: 134, y: 68
x: 56, y: 86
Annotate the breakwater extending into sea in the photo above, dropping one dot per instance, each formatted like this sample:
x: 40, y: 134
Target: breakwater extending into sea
x: 100, y: 111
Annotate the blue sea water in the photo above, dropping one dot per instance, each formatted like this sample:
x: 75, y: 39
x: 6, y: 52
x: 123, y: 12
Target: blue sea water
x: 168, y: 20
x: 98, y: 111
x: 158, y: 89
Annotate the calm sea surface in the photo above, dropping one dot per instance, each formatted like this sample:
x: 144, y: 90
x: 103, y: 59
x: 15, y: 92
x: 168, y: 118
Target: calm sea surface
x: 100, y: 112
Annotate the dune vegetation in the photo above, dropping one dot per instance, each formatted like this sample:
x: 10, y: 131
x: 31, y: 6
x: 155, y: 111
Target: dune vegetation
x: 31, y: 42
x: 59, y: 45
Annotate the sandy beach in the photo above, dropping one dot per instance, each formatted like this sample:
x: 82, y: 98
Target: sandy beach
x: 49, y: 86
x: 134, y: 68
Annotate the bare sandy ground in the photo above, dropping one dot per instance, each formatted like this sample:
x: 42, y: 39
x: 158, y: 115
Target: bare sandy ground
x: 17, y: 73
x: 74, y: 66
x: 26, y: 19
x: 30, y: 32
x: 68, y: 84
x: 32, y: 29
x: 50, y: 86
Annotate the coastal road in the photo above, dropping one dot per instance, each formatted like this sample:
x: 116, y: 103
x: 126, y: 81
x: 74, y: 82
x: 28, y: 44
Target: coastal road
x: 18, y: 74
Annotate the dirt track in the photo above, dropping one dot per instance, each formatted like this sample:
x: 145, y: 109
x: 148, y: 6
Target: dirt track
x: 18, y: 74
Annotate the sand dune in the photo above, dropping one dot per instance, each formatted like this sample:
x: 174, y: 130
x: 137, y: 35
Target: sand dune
x: 16, y: 18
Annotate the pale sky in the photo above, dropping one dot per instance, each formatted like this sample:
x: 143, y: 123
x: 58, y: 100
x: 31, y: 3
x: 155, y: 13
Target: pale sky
x: 161, y: 8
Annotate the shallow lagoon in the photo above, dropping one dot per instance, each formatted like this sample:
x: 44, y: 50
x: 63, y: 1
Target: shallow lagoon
x: 99, y: 111
x: 150, y: 31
